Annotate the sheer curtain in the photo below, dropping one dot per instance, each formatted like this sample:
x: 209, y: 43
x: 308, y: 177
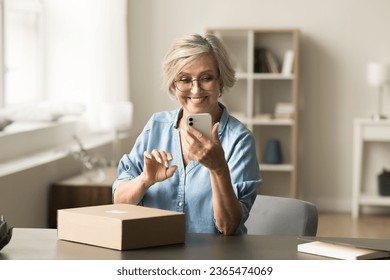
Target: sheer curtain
x: 22, y: 51
x: 87, y: 55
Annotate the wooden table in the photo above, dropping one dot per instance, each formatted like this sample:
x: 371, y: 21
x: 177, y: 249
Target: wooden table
x: 42, y: 244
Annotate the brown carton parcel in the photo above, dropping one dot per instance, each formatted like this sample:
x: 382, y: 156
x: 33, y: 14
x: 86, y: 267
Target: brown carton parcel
x: 121, y: 226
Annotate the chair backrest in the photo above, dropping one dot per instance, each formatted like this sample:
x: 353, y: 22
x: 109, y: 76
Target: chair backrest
x: 272, y: 215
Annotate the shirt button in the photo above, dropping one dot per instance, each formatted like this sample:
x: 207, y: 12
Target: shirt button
x: 180, y: 204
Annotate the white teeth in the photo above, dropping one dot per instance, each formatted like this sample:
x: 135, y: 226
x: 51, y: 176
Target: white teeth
x: 197, y: 99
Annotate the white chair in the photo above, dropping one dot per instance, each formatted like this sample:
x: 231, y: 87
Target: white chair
x: 272, y: 215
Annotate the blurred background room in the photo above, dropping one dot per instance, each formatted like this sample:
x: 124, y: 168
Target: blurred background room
x: 80, y: 78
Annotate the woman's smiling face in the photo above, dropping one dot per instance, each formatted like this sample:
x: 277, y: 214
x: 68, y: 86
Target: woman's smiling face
x: 202, y: 97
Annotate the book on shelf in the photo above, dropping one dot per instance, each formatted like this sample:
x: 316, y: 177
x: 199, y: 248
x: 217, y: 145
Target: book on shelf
x: 288, y: 62
x: 283, y: 116
x: 271, y: 62
x: 260, y: 65
x: 265, y: 61
x: 284, y: 110
x: 344, y: 251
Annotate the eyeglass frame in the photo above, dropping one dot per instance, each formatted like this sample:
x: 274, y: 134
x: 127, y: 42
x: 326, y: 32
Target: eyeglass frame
x: 197, y: 80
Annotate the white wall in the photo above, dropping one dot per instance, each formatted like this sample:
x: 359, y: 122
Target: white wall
x: 339, y: 38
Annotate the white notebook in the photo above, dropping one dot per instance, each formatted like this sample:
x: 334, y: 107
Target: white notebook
x: 341, y: 251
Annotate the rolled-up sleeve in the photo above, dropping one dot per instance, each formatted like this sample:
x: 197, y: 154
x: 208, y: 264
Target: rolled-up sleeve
x: 244, y: 169
x: 131, y: 165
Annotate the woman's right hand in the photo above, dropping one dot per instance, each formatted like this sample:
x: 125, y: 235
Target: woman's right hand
x: 157, y: 167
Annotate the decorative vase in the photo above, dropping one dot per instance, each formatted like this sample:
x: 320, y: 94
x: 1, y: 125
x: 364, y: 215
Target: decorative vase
x: 273, y: 152
x: 384, y: 183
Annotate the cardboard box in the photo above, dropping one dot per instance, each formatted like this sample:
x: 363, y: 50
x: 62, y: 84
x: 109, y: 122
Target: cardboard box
x: 121, y: 226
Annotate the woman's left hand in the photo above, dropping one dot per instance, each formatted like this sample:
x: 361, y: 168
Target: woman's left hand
x: 206, y: 151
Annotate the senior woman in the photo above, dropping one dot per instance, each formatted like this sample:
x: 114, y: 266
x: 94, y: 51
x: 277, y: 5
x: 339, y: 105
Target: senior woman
x: 175, y: 167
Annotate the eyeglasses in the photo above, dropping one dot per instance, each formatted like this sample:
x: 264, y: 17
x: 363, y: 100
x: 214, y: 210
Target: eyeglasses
x: 205, y: 82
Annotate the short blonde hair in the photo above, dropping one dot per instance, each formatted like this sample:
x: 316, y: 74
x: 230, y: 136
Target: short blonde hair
x: 189, y: 48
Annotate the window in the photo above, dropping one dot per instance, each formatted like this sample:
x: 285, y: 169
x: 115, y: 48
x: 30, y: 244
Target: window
x: 22, y: 52
x: 59, y: 58
x: 64, y: 51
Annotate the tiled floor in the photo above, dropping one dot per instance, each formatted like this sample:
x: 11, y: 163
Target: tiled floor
x: 343, y: 225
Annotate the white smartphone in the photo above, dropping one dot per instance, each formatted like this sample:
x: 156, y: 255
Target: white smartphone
x: 201, y: 122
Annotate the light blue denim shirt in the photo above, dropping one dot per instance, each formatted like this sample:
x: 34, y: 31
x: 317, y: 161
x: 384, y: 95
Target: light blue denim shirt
x: 189, y: 190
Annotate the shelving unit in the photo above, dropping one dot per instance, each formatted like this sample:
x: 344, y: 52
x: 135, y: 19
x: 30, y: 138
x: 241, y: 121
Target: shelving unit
x: 256, y: 94
x: 367, y: 131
